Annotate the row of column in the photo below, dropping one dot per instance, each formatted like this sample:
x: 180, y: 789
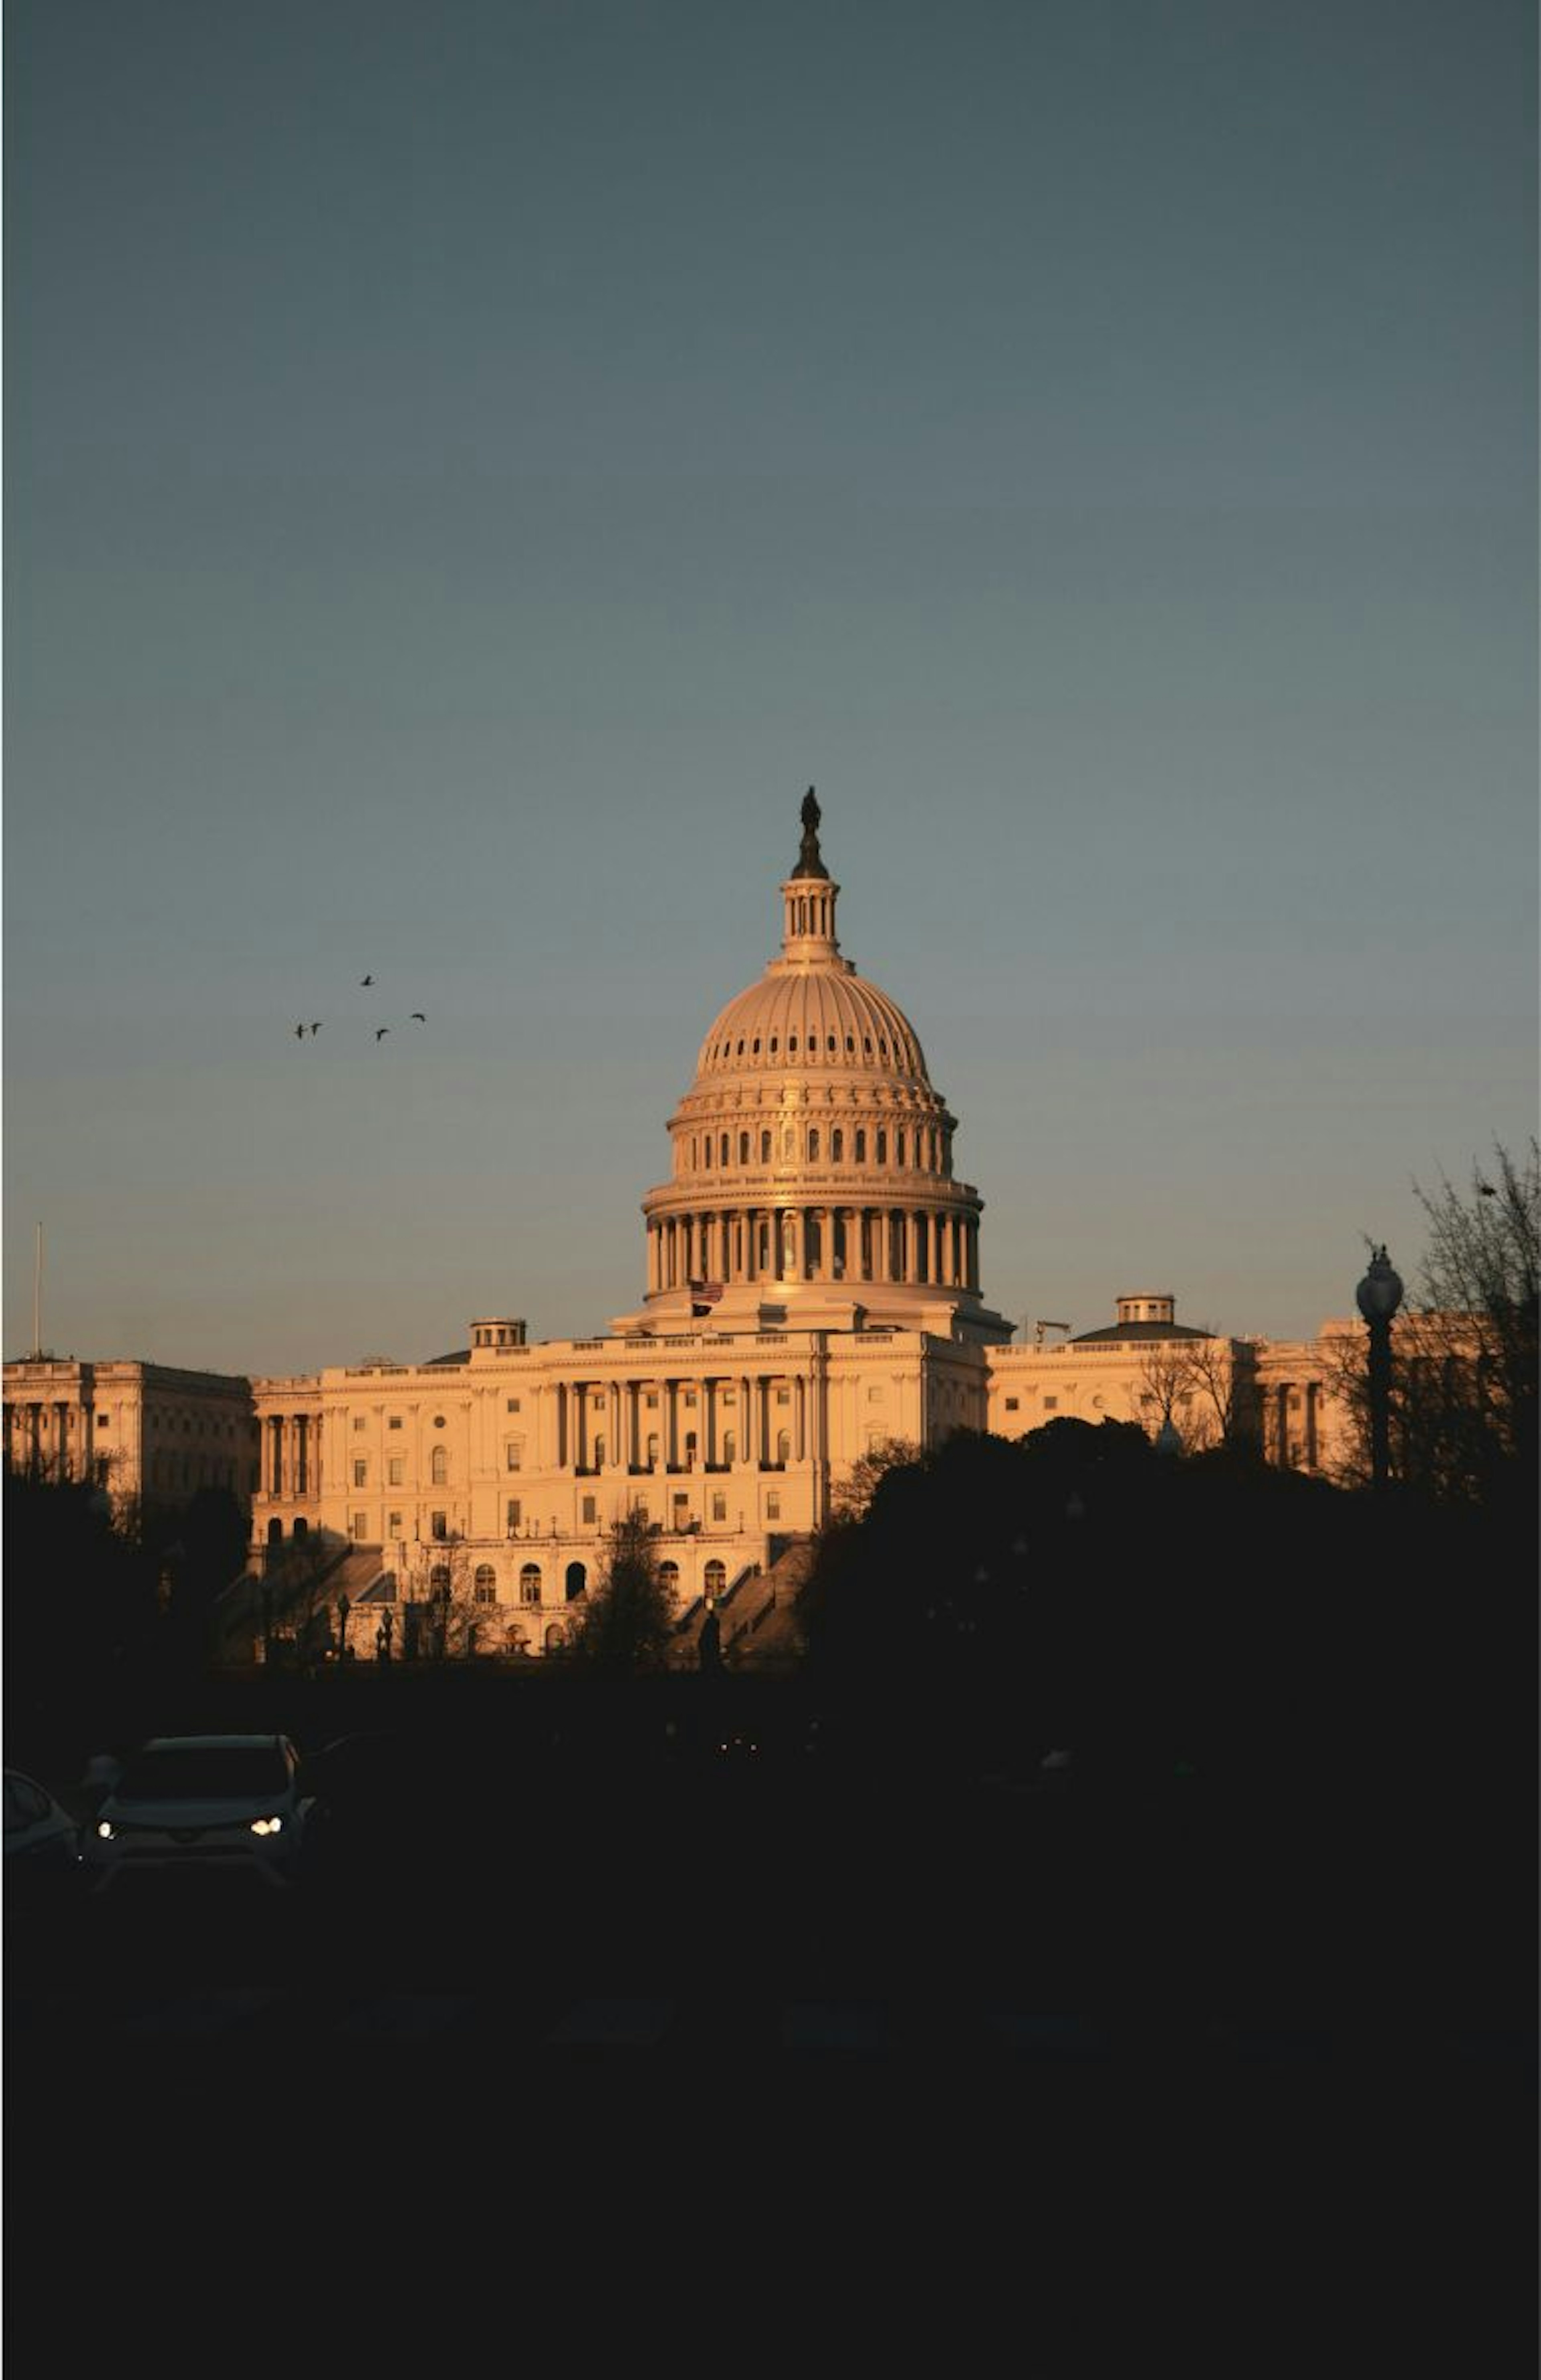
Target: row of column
x: 24, y: 1438
x: 736, y: 1418
x: 850, y: 1244
x: 1279, y: 1442
x: 292, y: 1455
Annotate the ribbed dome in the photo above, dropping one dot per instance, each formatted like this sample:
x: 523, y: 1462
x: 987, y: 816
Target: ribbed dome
x: 825, y: 1016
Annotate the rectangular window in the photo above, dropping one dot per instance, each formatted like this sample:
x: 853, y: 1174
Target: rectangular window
x: 772, y: 1505
x: 394, y: 1529
x: 690, y: 1396
x: 358, y: 1421
x: 395, y: 1469
x: 591, y: 1509
x: 1012, y: 1403
x: 730, y: 1396
x: 485, y: 1593
x: 1051, y: 1404
x: 439, y: 1523
x: 874, y: 1396
x: 719, y: 1507
x: 783, y: 1396
x: 513, y: 1404
x: 360, y: 1523
x: 360, y: 1473
x: 513, y: 1456
x: 651, y: 1399
x: 394, y: 1421
x: 515, y: 1513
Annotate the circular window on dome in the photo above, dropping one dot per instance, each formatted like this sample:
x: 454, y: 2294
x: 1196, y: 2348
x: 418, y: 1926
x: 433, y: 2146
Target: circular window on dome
x: 438, y: 1421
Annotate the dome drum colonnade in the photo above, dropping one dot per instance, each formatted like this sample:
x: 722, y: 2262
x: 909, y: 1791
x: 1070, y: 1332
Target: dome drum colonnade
x: 812, y: 1147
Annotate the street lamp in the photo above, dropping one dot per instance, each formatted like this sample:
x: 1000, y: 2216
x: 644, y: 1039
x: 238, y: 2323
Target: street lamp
x: 1379, y: 1295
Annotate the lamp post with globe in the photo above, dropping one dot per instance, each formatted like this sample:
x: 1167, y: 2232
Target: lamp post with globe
x: 1379, y: 1295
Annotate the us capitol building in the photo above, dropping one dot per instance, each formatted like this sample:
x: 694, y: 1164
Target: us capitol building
x: 813, y: 1288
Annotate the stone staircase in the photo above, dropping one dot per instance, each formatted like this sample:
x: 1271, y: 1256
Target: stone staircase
x: 759, y: 1628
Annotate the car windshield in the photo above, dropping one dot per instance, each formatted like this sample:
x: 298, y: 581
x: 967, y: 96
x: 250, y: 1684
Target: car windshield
x: 205, y: 1773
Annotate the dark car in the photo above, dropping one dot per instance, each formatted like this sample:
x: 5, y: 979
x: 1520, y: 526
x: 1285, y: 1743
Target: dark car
x: 42, y: 1844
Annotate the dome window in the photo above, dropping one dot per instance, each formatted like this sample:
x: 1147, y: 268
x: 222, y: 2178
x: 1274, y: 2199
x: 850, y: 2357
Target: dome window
x: 754, y: 1047
x: 898, y: 1148
x: 765, y: 1149
x: 813, y: 1146
x: 740, y: 1052
x: 723, y: 1152
x: 743, y: 1149
x: 831, y: 1041
x: 774, y: 1044
x: 850, y: 1040
x: 882, y: 1046
x: 867, y: 1043
x: 861, y: 1148
x: 837, y: 1147
x: 792, y: 1041
x: 882, y: 1149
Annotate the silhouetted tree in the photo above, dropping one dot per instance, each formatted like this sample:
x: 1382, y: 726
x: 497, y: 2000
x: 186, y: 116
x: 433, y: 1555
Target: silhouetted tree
x: 625, y: 1621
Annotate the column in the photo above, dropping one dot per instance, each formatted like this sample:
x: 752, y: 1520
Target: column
x: 799, y: 1419
x: 614, y: 1432
x: 800, y: 1243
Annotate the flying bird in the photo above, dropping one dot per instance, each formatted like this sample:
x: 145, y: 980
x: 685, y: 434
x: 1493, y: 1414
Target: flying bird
x: 300, y: 1032
x: 1488, y: 1190
x: 380, y: 1031
x: 316, y: 1027
x: 417, y: 1017
x: 364, y: 979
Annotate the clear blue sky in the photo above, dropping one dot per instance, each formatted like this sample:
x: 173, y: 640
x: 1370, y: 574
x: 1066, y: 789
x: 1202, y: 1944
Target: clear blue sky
x: 469, y: 467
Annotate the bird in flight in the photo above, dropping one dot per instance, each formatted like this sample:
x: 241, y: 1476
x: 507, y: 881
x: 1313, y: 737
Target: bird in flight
x: 417, y: 1017
x: 300, y: 1032
x: 380, y: 1031
x: 316, y: 1027
x: 1488, y: 1190
x: 364, y: 979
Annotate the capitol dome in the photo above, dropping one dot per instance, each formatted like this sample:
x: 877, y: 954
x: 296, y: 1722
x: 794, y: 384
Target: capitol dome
x: 812, y: 1157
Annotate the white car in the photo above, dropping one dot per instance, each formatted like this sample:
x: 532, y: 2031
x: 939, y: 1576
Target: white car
x: 229, y: 1801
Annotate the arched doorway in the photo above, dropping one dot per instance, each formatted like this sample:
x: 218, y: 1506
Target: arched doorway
x: 577, y: 1580
x: 714, y: 1578
x: 276, y: 1533
x: 302, y: 1529
x: 530, y: 1582
x: 553, y: 1639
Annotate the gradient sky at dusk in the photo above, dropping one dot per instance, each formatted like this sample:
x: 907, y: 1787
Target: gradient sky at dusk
x: 471, y: 467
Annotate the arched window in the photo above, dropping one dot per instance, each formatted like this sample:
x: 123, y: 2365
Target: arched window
x: 882, y: 1149
x: 668, y: 1575
x: 898, y: 1148
x: 722, y: 1157
x: 730, y: 1446
x: 690, y: 1449
x: 599, y: 1452
x: 743, y: 1149
x: 530, y: 1582
x: 275, y: 1531
x: 714, y: 1578
x: 861, y: 1148
x: 791, y: 1042
x: 439, y: 1579
x: 837, y: 1147
x: 439, y: 1467
x: 578, y: 1579
x: 484, y: 1587
x: 554, y: 1639
x: 652, y: 1453
x: 813, y: 1146
x: 765, y: 1149
x: 783, y: 1445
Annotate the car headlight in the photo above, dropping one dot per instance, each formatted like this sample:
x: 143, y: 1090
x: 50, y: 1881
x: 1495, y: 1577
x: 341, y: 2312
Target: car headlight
x: 105, y: 1829
x: 267, y: 1825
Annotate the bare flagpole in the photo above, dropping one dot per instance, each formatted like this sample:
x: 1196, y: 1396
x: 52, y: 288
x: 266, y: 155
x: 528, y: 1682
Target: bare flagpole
x: 37, y: 1296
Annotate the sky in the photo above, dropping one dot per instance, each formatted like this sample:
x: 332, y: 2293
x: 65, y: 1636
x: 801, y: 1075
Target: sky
x: 469, y: 468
